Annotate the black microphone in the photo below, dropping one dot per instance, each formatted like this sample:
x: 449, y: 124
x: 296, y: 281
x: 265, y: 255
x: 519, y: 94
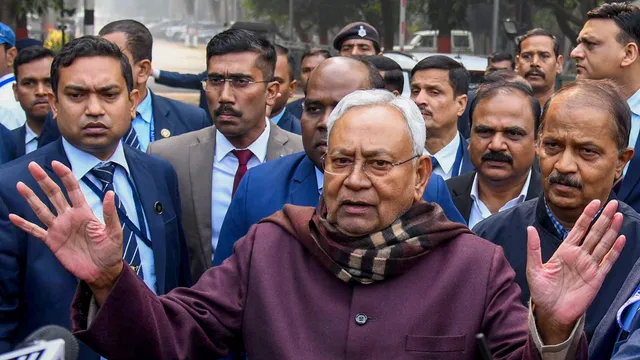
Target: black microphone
x: 53, y: 332
x: 483, y: 347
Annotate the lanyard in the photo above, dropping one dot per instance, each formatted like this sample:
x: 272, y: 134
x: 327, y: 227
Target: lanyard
x: 7, y: 80
x: 457, y: 164
x: 152, y: 133
x: 142, y: 234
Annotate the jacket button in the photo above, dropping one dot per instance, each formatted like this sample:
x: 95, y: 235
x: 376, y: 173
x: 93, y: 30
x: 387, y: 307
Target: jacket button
x: 361, y: 319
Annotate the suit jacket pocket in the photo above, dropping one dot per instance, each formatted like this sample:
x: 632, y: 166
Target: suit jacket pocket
x: 435, y: 344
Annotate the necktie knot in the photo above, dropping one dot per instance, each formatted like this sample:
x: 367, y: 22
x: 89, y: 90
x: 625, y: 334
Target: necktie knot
x: 104, y: 173
x: 434, y: 162
x: 243, y: 156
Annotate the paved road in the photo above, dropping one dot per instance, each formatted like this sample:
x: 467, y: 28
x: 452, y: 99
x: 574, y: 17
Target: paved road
x: 173, y: 56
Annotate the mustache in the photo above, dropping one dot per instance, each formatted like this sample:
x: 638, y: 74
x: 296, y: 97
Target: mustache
x: 535, y: 72
x: 564, y: 179
x: 227, y: 109
x: 425, y: 110
x: 497, y: 156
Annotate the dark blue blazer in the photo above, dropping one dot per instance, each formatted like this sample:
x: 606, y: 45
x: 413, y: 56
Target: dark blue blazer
x: 291, y: 180
x: 295, y: 108
x: 630, y: 190
x: 7, y: 145
x: 186, y: 81
x: 35, y: 289
x: 290, y: 123
x: 467, y: 165
x: 169, y: 114
x: 18, y: 137
x: 176, y: 116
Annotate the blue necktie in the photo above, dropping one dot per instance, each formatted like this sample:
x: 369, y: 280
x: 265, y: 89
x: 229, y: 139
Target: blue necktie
x: 104, y: 173
x: 131, y: 138
x: 434, y: 163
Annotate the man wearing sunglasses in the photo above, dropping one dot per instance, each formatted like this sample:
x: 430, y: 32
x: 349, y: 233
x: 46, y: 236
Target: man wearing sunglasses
x: 211, y: 162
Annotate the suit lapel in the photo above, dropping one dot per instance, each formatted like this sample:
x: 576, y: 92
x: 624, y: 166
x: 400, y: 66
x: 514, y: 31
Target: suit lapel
x: 535, y: 185
x: 20, y: 144
x: 608, y: 326
x: 304, y: 190
x: 201, y: 174
x: 462, y: 196
x: 161, y: 117
x: 276, y: 146
x: 143, y: 180
x: 467, y: 165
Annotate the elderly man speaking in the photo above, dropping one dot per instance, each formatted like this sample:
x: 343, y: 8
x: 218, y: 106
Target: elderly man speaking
x: 373, y: 272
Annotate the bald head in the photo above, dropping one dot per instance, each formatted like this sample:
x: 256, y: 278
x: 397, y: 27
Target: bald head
x: 332, y: 80
x: 346, y: 71
x: 597, y: 95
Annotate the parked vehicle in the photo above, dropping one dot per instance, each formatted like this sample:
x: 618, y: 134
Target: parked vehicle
x: 427, y: 41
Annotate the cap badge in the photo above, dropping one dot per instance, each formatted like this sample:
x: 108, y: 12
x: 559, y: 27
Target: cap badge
x: 362, y: 32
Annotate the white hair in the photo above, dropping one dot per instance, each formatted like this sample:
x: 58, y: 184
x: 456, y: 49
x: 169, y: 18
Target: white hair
x: 409, y: 110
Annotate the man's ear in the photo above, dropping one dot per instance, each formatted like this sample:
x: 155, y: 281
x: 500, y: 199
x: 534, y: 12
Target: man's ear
x: 630, y: 54
x: 462, y: 104
x: 423, y: 172
x: 11, y: 56
x: 623, y: 158
x: 145, y: 71
x: 293, y: 86
x: 559, y: 63
x: 273, y: 89
x: 53, y: 104
x: 134, y: 98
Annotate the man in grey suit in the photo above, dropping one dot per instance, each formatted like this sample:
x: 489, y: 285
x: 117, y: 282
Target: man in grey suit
x: 211, y: 162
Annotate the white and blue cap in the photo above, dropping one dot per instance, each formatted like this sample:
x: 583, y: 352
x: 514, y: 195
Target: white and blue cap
x: 7, y: 36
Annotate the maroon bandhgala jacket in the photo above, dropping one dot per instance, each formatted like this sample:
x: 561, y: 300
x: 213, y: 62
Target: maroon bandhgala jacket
x: 281, y: 303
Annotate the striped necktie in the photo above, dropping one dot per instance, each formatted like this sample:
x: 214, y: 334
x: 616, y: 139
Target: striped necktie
x: 131, y: 138
x: 104, y: 173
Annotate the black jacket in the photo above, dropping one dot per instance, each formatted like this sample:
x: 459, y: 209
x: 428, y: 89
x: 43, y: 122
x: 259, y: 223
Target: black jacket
x: 460, y: 189
x: 509, y: 230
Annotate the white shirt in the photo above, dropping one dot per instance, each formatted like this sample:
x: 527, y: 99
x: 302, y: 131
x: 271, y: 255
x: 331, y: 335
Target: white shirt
x: 30, y: 139
x: 11, y: 114
x: 81, y: 163
x: 479, y: 210
x: 446, y: 158
x: 225, y: 165
x: 634, y: 104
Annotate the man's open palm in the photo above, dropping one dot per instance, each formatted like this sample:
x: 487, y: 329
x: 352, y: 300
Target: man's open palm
x: 84, y: 246
x: 565, y: 286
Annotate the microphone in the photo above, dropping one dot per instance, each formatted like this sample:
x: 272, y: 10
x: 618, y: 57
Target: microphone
x: 50, y: 342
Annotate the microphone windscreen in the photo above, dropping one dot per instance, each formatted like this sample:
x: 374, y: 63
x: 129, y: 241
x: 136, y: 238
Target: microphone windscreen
x: 53, y: 332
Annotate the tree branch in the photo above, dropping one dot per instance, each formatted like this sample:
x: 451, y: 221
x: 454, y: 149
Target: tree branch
x: 566, y: 29
x: 558, y: 9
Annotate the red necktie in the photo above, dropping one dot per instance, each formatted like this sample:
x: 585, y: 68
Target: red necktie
x: 243, y: 158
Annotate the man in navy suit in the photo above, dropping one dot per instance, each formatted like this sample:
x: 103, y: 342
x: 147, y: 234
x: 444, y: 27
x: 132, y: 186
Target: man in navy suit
x: 309, y: 61
x: 94, y: 101
x: 7, y: 145
x: 298, y: 179
x: 157, y: 117
x: 615, y: 28
x: 439, y: 86
x: 32, y: 69
x: 185, y: 81
x: 285, y: 76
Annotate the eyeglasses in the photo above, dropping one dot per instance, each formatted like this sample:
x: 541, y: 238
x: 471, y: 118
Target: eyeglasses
x: 373, y: 168
x: 236, y: 83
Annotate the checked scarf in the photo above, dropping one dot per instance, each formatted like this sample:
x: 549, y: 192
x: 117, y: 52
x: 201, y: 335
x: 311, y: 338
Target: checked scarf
x: 375, y: 257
